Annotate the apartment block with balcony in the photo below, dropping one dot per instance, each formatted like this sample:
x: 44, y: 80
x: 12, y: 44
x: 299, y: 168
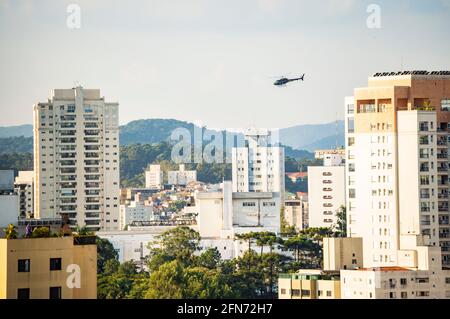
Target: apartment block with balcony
x: 24, y: 186
x: 326, y: 191
x: 76, y: 159
x: 397, y: 131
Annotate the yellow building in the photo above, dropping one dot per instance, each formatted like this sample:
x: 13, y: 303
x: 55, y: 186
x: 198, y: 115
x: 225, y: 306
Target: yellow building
x: 309, y: 284
x: 48, y: 268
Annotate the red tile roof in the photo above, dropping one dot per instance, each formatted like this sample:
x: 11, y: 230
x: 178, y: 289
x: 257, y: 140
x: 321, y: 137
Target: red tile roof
x: 297, y: 175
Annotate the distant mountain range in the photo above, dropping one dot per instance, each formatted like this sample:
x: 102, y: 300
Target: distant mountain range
x: 149, y: 131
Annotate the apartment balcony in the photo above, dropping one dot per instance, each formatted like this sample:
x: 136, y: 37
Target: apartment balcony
x: 92, y: 147
x: 68, y: 185
x: 442, y: 156
x: 68, y: 125
x: 68, y: 170
x: 68, y: 155
x: 92, y: 192
x: 69, y: 200
x: 425, y: 196
x: 67, y: 148
x: 444, y: 235
x: 92, y: 177
x: 92, y: 162
x: 92, y: 170
x: 67, y: 133
x: 92, y: 155
x: 92, y: 185
x: 68, y: 208
x: 89, y: 118
x: 66, y: 193
x: 91, y: 132
x: 92, y: 215
x: 93, y: 200
x: 442, y: 169
x: 424, y: 209
x: 91, y: 125
x: 443, y: 209
x: 67, y: 118
x: 425, y: 223
x: 68, y: 178
x: 92, y: 207
x: 442, y: 196
x: 67, y: 163
x: 72, y: 140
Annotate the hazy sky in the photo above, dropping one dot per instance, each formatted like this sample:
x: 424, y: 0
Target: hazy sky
x: 213, y: 61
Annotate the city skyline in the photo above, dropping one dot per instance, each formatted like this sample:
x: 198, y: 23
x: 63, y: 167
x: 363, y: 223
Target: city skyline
x: 140, y: 54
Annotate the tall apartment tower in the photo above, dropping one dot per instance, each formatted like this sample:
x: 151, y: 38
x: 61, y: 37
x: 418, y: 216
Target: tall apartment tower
x: 397, y: 165
x: 24, y: 186
x: 76, y: 159
x: 258, y: 166
x: 326, y: 191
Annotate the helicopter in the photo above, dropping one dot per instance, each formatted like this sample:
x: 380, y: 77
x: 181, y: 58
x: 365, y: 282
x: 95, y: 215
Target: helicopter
x: 283, y: 81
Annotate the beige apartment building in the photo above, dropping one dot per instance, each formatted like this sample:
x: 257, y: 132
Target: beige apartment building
x: 76, y: 159
x: 48, y: 268
x: 397, y: 139
x: 310, y: 284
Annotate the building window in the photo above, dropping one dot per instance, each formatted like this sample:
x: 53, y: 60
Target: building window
x: 283, y: 291
x: 23, y: 293
x: 306, y: 293
x: 404, y: 295
x: 55, y: 292
x: 23, y: 265
x: 328, y: 293
x: 55, y: 264
x: 445, y: 105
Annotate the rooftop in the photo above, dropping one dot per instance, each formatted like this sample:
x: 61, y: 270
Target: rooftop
x: 415, y: 72
x: 393, y: 268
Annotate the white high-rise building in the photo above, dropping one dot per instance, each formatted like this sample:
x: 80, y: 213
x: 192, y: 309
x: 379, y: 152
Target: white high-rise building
x: 326, y: 191
x: 76, y: 159
x: 258, y: 166
x: 24, y: 186
x: 154, y: 177
x: 135, y: 212
x: 397, y: 132
x: 182, y: 176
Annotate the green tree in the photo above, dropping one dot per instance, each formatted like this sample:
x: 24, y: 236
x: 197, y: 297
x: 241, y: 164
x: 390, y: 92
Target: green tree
x: 105, y: 252
x: 341, y: 223
x: 167, y: 282
x: 180, y: 243
x: 210, y: 259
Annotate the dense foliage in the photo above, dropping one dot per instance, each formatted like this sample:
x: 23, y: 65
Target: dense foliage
x: 18, y: 144
x: 17, y: 161
x: 177, y: 267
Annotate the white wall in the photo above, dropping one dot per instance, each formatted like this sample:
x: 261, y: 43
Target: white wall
x: 9, y: 209
x: 320, y: 216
